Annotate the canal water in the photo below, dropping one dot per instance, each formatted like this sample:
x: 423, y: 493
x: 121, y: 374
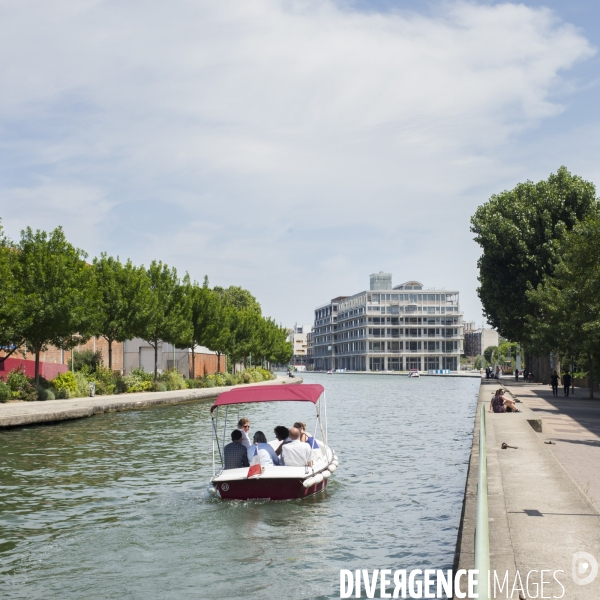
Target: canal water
x: 116, y: 506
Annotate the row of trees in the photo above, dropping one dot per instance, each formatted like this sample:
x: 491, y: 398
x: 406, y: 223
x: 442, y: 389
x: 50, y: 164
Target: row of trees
x: 50, y: 295
x: 540, y: 270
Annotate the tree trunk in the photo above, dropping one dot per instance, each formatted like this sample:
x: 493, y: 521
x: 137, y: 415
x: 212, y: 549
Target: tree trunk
x: 37, y: 364
x: 156, y: 361
x: 109, y: 354
x: 218, y: 362
x: 193, y: 363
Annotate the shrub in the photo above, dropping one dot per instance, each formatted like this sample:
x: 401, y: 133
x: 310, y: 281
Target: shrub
x: 105, y: 380
x: 87, y: 360
x: 160, y: 387
x: 209, y: 383
x: 229, y: 379
x: 5, y: 393
x: 65, y: 385
x: 44, y: 393
x: 194, y: 383
x: 138, y: 381
x: 20, y: 386
x: 83, y: 385
x: 142, y: 375
x: 173, y: 380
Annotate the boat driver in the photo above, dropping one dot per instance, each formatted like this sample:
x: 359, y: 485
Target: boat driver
x: 296, y: 453
x: 244, y: 428
x: 235, y: 454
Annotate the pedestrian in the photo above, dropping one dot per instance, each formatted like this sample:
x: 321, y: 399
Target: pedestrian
x: 497, y: 372
x: 554, y: 383
x: 516, y: 374
x: 566, y: 379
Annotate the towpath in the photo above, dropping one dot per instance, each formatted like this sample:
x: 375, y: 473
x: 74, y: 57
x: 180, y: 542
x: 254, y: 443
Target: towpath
x: 541, y: 511
x: 14, y: 414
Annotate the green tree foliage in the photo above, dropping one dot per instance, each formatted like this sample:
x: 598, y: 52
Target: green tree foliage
x: 58, y: 298
x: 203, y: 317
x: 121, y: 307
x: 166, y: 308
x: 490, y: 352
x: 520, y: 232
x: 568, y: 302
x: 11, y: 301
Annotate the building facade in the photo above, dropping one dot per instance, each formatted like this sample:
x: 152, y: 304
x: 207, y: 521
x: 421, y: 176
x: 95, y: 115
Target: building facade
x: 298, y: 337
x: 322, y: 336
x: 477, y: 340
x: 390, y: 329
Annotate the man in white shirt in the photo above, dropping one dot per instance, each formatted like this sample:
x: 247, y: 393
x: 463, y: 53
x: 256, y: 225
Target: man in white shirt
x: 296, y: 453
x: 244, y: 427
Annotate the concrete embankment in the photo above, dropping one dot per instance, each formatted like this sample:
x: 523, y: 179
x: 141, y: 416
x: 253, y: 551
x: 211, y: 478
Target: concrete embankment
x: 538, y: 517
x: 15, y: 414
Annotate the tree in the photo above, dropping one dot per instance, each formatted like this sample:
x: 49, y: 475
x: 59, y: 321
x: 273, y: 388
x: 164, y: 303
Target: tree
x: 166, y: 309
x: 12, y: 302
x: 219, y: 330
x: 121, y: 307
x: 202, y: 314
x: 568, y: 302
x: 237, y: 297
x: 490, y: 352
x: 59, y: 300
x: 520, y: 232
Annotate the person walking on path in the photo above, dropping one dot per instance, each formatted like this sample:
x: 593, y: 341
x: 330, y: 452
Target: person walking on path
x: 566, y: 379
x: 516, y: 374
x: 554, y: 383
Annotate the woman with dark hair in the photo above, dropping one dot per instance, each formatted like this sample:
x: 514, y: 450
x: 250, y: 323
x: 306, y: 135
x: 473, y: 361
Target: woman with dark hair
x: 282, y: 433
x: 266, y: 454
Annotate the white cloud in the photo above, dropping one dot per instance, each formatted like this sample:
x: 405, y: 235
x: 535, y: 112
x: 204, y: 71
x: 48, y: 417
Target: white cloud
x: 249, y: 115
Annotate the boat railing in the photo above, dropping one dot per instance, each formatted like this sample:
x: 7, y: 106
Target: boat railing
x: 482, y: 534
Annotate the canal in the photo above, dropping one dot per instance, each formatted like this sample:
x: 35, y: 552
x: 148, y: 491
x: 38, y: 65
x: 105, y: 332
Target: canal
x: 116, y: 506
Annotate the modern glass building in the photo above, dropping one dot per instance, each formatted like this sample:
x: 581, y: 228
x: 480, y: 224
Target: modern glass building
x: 390, y: 329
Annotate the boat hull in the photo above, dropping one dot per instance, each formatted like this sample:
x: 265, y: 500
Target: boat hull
x: 267, y: 489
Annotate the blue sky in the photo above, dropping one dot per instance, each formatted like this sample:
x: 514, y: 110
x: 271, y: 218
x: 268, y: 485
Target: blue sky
x: 291, y: 147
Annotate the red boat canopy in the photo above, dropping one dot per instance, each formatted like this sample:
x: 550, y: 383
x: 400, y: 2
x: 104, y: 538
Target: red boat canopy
x: 304, y: 392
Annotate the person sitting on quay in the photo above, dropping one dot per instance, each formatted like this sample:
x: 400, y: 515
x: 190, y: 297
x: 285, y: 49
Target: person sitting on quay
x: 235, y: 454
x: 244, y: 428
x: 282, y: 433
x: 296, y: 453
x: 266, y: 454
x: 500, y: 403
x: 305, y: 436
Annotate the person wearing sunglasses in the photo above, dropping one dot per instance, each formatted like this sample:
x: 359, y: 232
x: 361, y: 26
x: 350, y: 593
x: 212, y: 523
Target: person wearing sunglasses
x: 244, y: 427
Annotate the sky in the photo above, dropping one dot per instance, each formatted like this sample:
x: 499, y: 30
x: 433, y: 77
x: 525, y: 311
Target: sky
x: 290, y: 147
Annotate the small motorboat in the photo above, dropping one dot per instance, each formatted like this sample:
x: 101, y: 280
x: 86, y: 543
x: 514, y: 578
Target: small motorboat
x: 330, y: 372
x: 413, y: 373
x: 274, y: 482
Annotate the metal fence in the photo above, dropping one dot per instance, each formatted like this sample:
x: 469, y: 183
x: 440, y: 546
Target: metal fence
x: 482, y: 534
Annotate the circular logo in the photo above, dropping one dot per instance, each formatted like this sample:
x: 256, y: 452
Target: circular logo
x: 225, y: 487
x: 585, y: 568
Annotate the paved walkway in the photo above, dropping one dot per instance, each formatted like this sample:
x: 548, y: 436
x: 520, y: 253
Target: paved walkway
x: 15, y: 414
x: 573, y: 424
x: 538, y: 516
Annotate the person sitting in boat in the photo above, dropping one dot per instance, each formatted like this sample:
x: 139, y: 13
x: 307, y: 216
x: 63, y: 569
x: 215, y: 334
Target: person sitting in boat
x: 244, y: 428
x: 296, y: 453
x: 501, y: 403
x: 235, y: 454
x: 305, y: 436
x: 266, y: 454
x: 282, y: 433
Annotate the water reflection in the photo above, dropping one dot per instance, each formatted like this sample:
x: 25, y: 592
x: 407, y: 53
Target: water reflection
x: 115, y: 506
